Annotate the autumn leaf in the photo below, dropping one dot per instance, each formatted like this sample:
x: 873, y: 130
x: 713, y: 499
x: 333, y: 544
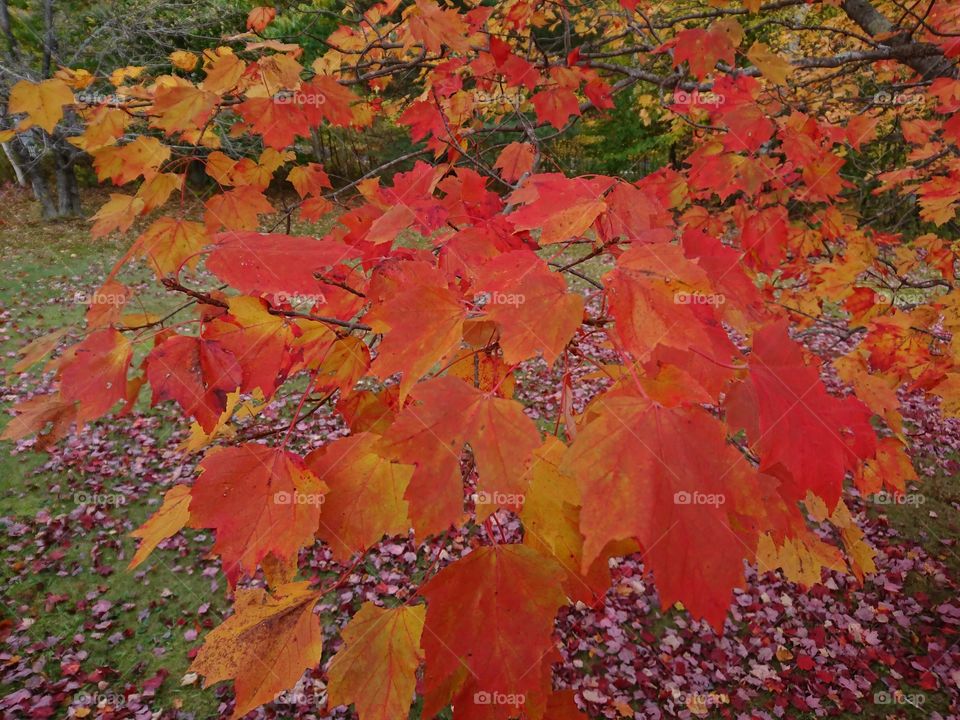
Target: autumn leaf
x: 34, y: 351
x: 170, y: 519
x: 259, y: 500
x: 431, y: 434
x: 771, y: 64
x: 196, y: 373
x: 283, y: 265
x: 265, y: 646
x: 531, y: 304
x: 42, y: 102
x: 94, y: 373
x: 169, y: 244
x: 366, y: 496
x: 260, y: 17
x: 674, y: 473
x: 561, y: 208
x: 376, y: 669
x: 515, y: 161
x: 796, y: 413
x: 237, y: 209
x: 118, y: 213
x: 421, y: 320
x: 489, y: 627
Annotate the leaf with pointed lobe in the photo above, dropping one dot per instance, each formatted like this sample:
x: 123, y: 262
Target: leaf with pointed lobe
x: 260, y: 17
x: 49, y: 417
x: 489, y: 628
x: 806, y: 437
x: 555, y: 106
x: 94, y: 373
x: 376, y: 668
x: 421, y: 320
x: 170, y: 244
x: 260, y: 501
x: 531, y: 304
x: 365, y: 500
x: 42, y: 102
x: 265, y: 646
x: 560, y: 207
x: 237, y: 209
x: 515, y: 161
x: 118, y: 213
x: 182, y: 109
x: 672, y: 472
x: 309, y: 179
x: 197, y: 373
x: 36, y: 350
x: 171, y: 518
x: 123, y: 163
x: 431, y: 433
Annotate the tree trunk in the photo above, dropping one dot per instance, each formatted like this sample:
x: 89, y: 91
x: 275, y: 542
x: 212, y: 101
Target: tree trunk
x: 18, y: 171
x: 21, y: 157
x: 875, y: 23
x: 68, y: 192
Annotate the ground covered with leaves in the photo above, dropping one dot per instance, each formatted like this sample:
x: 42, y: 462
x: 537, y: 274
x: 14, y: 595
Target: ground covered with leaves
x: 83, y: 637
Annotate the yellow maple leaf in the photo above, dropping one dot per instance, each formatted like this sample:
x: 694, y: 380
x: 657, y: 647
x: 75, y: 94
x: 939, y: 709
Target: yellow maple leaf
x: 42, y: 102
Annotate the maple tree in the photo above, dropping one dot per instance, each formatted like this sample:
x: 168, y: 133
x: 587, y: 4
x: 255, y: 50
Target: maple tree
x: 709, y: 436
